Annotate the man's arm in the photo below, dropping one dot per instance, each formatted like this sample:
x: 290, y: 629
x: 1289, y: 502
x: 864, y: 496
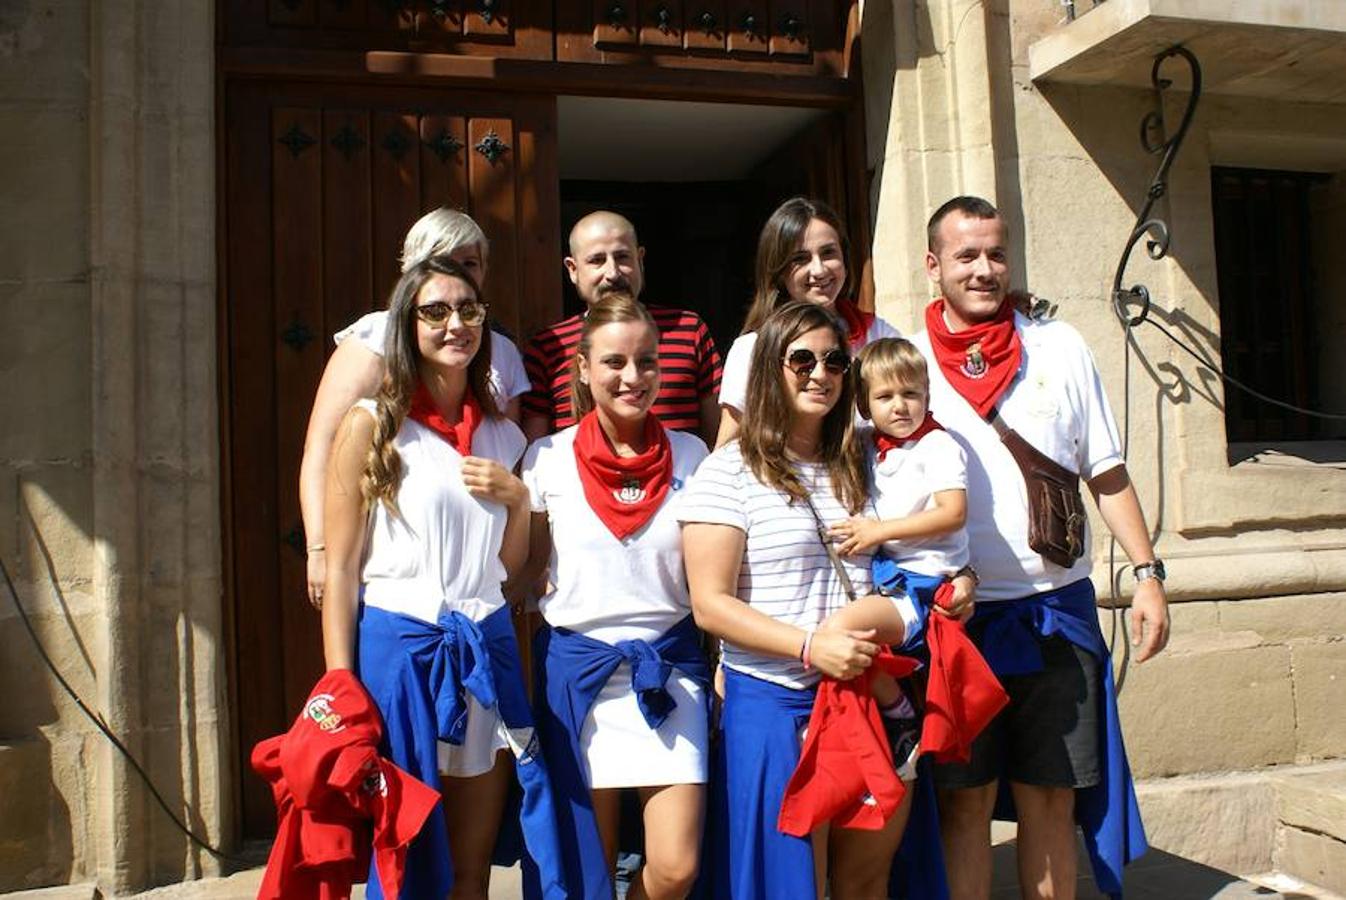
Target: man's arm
x: 1120, y: 508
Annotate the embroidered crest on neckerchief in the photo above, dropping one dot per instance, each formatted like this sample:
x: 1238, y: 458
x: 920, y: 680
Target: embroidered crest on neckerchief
x: 630, y: 492
x: 319, y: 709
x: 975, y: 364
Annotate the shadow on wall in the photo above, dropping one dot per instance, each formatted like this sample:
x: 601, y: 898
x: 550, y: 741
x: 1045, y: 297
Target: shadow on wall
x: 37, y: 773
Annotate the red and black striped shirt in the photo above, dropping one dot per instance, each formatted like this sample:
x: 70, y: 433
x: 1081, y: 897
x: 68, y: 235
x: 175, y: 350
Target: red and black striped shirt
x: 689, y: 369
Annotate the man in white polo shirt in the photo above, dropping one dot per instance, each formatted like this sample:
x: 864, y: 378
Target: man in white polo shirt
x: 1057, y: 746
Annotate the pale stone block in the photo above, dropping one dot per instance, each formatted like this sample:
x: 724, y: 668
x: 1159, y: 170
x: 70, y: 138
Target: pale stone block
x: 35, y: 848
x: 32, y: 697
x: 56, y: 524
x: 1316, y: 859
x: 45, y: 339
x: 1225, y: 823
x: 1281, y: 619
x: 1314, y: 801
x: 1319, y: 685
x: 10, y: 521
x: 39, y: 46
x: 45, y: 201
x: 1208, y: 706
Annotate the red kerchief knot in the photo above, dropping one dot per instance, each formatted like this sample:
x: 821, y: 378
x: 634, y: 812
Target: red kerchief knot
x: 459, y: 434
x: 884, y: 443
x: 857, y: 321
x: 336, y: 798
x: 624, y: 491
x: 845, y: 773
x: 980, y: 361
x: 962, y: 695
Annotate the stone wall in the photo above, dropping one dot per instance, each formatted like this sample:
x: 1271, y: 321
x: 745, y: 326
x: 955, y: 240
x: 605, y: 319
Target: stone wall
x: 1255, y: 550
x: 109, y: 498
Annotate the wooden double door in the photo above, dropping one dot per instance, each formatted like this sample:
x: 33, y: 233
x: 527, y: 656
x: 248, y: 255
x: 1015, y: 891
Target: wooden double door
x: 321, y: 184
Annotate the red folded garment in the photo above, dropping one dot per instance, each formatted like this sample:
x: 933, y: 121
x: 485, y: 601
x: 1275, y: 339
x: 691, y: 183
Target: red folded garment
x: 962, y: 695
x: 845, y: 773
x: 337, y: 800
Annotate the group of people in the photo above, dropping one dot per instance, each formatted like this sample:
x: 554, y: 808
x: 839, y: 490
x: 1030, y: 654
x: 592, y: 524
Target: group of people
x: 859, y: 485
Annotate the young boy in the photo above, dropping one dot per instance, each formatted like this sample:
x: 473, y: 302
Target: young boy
x: 919, y: 497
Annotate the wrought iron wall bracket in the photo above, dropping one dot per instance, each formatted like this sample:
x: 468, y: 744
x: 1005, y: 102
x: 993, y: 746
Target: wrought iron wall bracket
x: 1148, y: 225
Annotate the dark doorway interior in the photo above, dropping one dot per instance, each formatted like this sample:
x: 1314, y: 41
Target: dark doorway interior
x: 698, y: 181
x: 699, y: 241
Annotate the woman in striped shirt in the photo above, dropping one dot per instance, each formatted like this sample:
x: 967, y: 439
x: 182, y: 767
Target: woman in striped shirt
x: 762, y: 580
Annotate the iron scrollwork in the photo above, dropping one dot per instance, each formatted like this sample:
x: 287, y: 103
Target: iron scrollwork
x: 749, y: 23
x: 397, y: 143
x: 791, y: 26
x: 488, y: 10
x: 491, y: 147
x: 616, y: 14
x: 707, y: 21
x: 1146, y: 224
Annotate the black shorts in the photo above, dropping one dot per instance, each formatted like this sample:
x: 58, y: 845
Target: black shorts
x: 1048, y: 735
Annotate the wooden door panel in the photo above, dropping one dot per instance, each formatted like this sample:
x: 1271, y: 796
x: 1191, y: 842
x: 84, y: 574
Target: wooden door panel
x: 322, y: 183
x: 491, y: 174
x: 348, y: 277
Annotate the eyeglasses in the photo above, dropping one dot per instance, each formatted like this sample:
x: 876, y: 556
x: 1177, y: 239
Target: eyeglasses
x: 802, y: 362
x: 470, y: 313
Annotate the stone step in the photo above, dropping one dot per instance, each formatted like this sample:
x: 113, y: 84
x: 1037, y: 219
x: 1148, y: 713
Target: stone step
x: 1311, y: 813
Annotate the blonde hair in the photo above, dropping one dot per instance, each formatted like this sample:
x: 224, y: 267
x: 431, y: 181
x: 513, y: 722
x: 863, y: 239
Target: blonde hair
x: 888, y: 360
x: 610, y: 309
x: 439, y: 233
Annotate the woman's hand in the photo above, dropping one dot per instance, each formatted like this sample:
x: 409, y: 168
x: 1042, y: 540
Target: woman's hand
x: 842, y: 654
x: 317, y: 575
x: 856, y: 534
x: 486, y: 479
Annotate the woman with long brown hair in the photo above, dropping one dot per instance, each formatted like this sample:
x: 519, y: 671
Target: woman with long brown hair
x: 424, y: 521
x: 622, y: 689
x: 763, y: 581
x: 802, y: 254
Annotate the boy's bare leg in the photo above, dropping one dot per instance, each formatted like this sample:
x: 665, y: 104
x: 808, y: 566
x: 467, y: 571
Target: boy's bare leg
x: 877, y: 612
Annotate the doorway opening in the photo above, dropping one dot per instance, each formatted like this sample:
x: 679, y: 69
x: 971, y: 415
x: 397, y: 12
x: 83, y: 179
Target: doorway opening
x: 698, y: 180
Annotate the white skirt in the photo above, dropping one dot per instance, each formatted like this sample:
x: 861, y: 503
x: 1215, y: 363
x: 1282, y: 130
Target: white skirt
x: 621, y: 750
x: 484, y: 736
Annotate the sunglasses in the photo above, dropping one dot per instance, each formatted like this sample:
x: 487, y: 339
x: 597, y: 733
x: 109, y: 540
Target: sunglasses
x: 802, y: 362
x: 470, y: 313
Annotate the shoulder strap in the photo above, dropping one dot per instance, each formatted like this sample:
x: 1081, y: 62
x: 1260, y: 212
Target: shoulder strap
x: 847, y: 585
x: 998, y: 422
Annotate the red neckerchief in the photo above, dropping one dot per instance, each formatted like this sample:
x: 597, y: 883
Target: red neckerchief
x: 962, y: 695
x: 885, y: 442
x: 857, y: 322
x: 624, y: 491
x: 459, y: 436
x: 980, y: 361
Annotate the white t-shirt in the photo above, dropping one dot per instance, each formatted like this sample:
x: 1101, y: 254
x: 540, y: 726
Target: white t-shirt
x: 605, y: 588
x: 508, y: 378
x: 904, y: 483
x: 1058, y: 405
x: 442, y: 553
x: 786, y: 572
x: 734, y: 381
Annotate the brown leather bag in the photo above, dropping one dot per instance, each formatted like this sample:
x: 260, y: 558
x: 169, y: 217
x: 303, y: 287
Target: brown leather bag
x: 1056, y: 515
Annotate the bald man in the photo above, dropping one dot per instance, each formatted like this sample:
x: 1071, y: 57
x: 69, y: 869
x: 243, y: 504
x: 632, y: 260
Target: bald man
x: 606, y: 257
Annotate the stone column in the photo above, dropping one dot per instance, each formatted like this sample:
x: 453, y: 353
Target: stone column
x: 156, y: 499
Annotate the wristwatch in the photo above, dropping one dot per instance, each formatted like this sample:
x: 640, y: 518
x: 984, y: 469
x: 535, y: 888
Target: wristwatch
x: 1153, y: 569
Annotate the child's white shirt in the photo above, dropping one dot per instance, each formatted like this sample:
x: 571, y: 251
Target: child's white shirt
x: 905, y: 482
